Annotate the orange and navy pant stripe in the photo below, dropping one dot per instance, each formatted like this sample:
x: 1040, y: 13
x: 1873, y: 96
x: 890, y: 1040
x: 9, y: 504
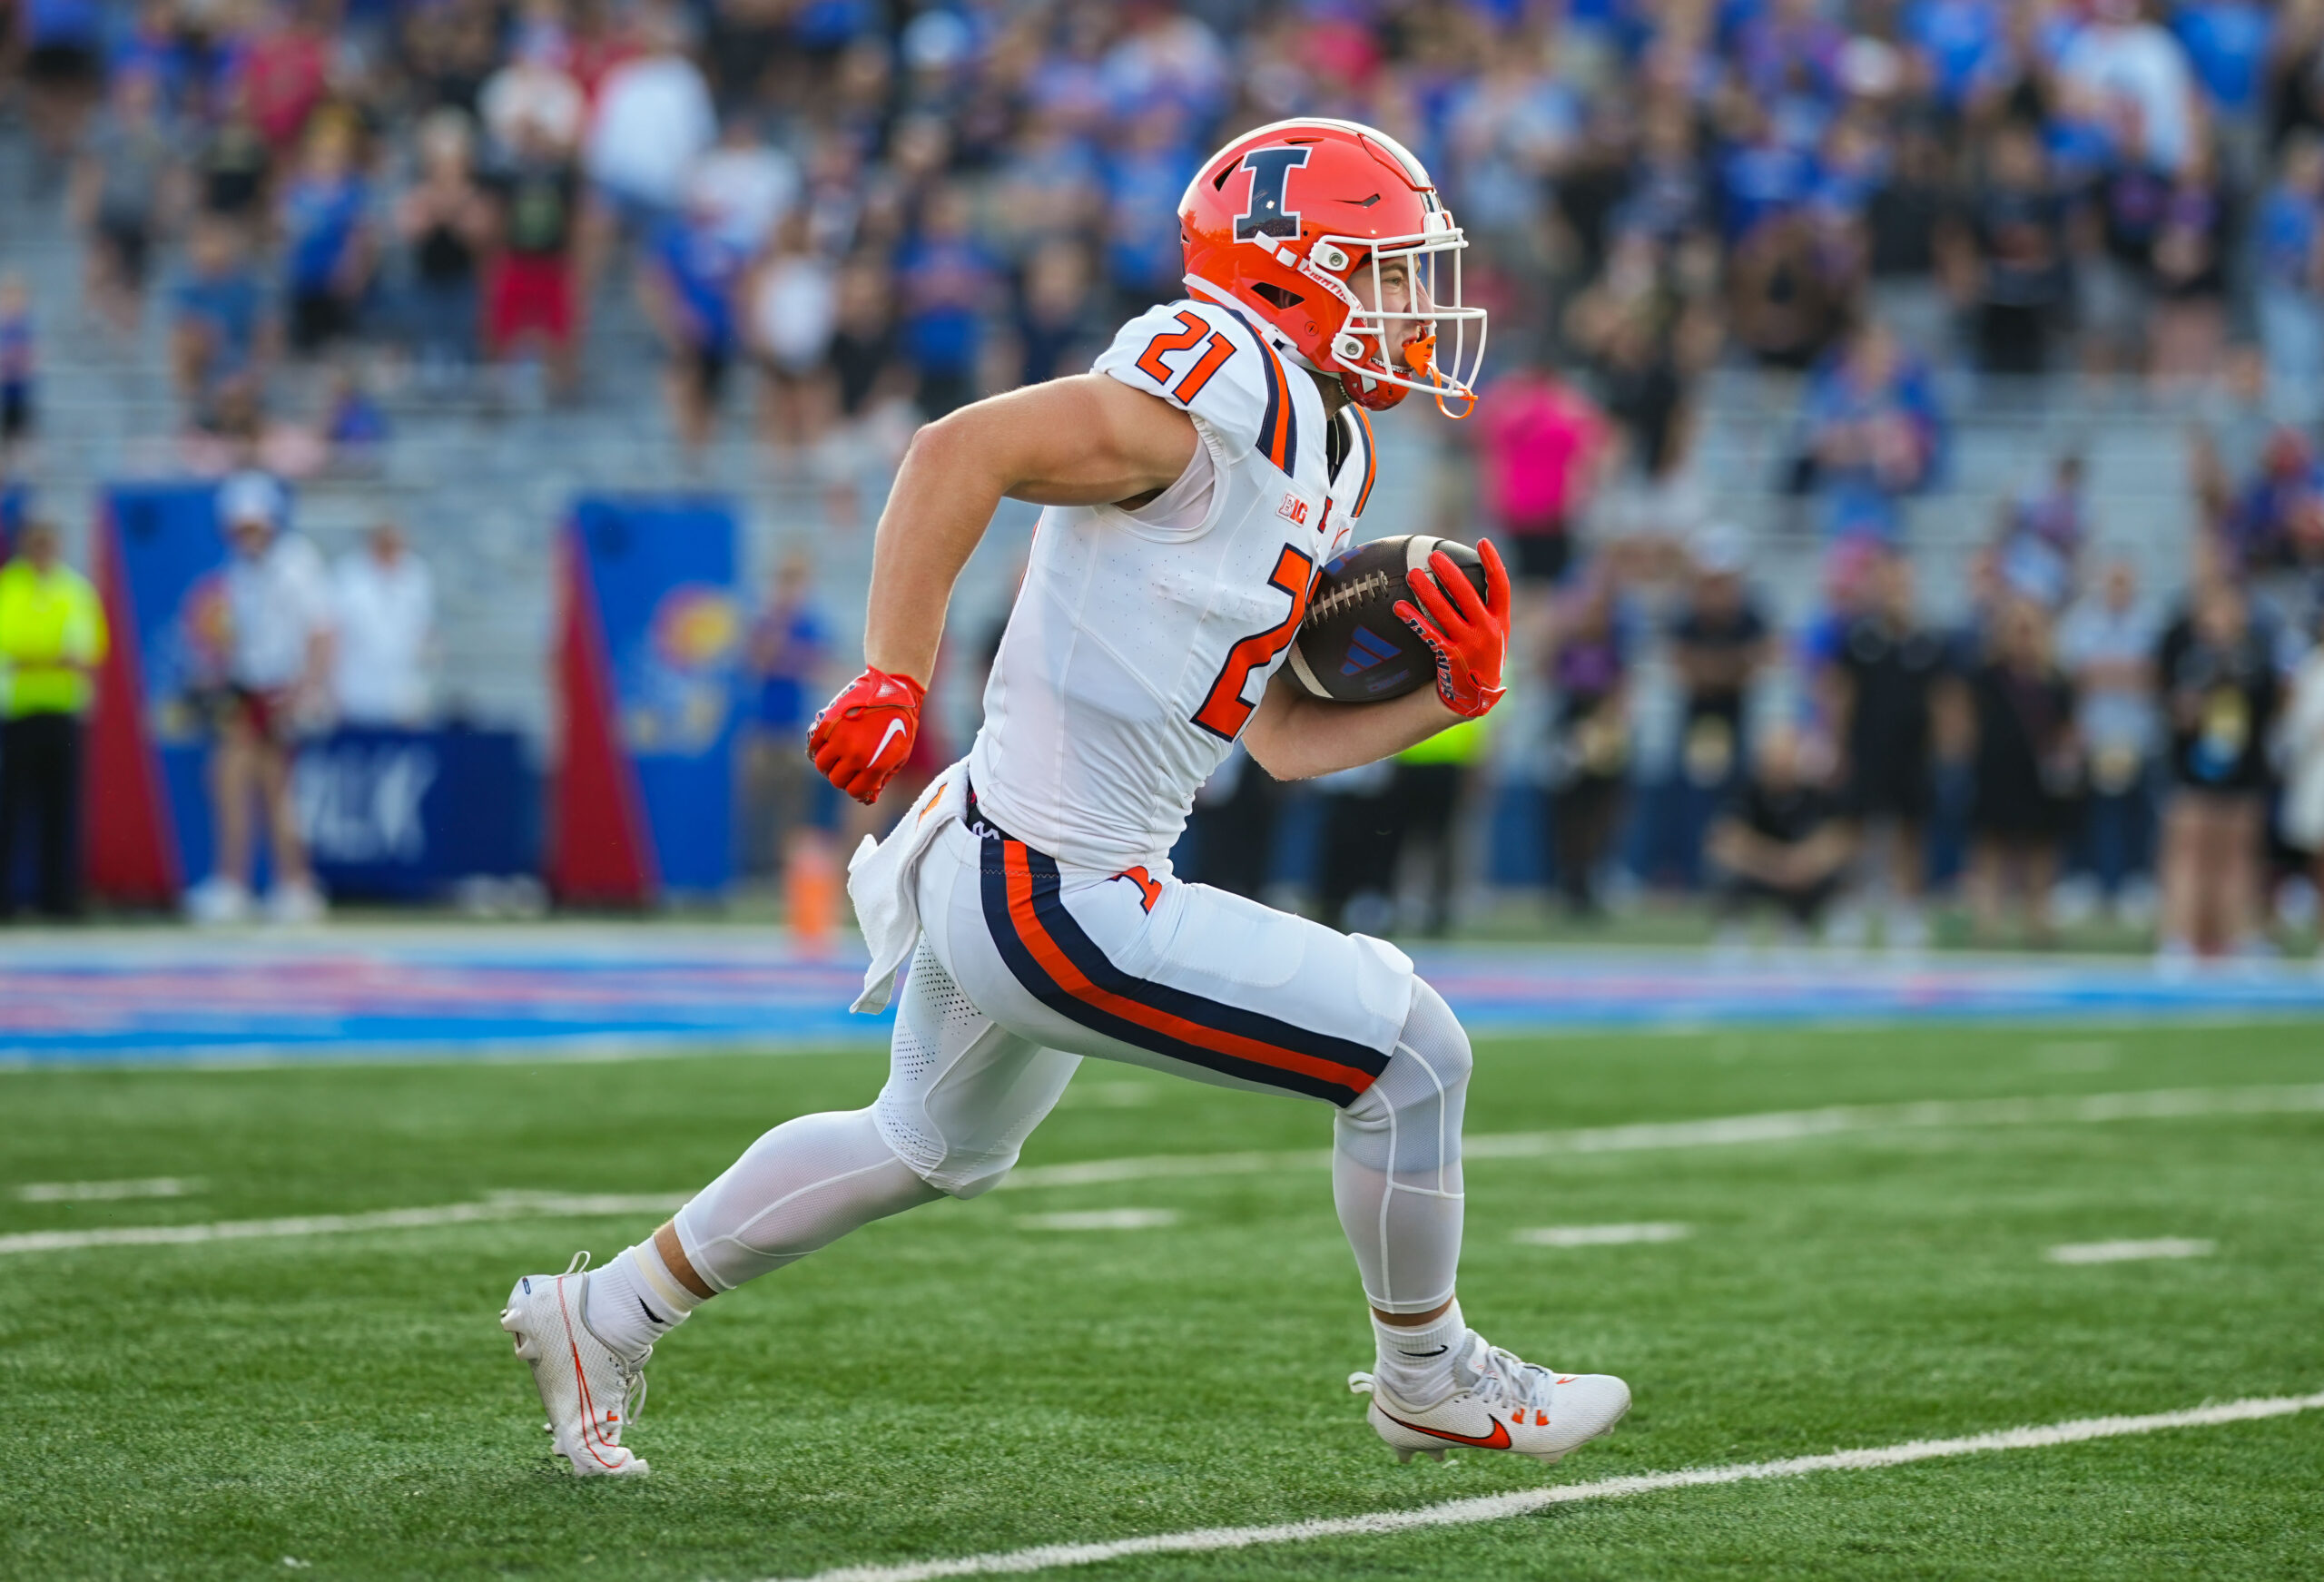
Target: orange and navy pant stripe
x: 1060, y: 965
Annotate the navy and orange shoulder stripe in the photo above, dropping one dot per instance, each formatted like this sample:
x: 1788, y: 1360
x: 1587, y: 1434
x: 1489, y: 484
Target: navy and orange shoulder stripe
x: 1278, y: 439
x: 1371, y: 460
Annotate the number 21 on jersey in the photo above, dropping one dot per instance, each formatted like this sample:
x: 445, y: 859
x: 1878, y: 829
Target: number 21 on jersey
x: 1191, y: 329
x: 1223, y: 712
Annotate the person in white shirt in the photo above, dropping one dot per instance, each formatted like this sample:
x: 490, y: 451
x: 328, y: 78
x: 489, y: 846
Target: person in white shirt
x: 385, y: 603
x: 746, y: 182
x: 278, y: 666
x: 533, y: 94
x: 2131, y: 75
x: 2302, y: 741
x: 653, y: 120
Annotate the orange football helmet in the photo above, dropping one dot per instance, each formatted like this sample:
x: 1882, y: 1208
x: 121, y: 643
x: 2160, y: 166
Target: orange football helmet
x: 1281, y: 222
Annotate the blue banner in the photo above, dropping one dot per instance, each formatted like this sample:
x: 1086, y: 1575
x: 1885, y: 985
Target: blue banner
x: 401, y: 815
x: 386, y: 814
x: 663, y: 572
x: 172, y: 566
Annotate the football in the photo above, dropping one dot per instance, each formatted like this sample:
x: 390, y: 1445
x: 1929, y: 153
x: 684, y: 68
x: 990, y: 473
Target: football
x: 1353, y: 648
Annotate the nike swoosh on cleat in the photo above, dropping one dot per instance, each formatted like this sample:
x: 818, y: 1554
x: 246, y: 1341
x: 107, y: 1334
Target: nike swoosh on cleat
x: 1438, y: 1353
x: 1497, y: 1441
x: 651, y: 1316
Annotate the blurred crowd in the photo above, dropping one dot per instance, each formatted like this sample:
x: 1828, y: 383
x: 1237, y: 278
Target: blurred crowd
x: 844, y: 217
x: 847, y: 204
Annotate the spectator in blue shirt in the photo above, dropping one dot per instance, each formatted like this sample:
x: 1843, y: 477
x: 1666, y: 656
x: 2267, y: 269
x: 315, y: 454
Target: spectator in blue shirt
x: 223, y: 331
x: 152, y: 48
x: 693, y: 269
x: 1761, y: 177
x: 1789, y: 51
x: 1872, y: 430
x: 326, y: 240
x: 788, y: 651
x: 1143, y: 185
x: 2227, y: 43
x: 948, y: 282
x: 1961, y: 45
x: 2291, y: 280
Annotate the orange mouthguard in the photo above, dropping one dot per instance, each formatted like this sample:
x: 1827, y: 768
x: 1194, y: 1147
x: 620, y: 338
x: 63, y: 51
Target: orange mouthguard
x: 1420, y: 356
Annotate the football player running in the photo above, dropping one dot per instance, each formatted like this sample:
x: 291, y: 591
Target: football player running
x: 1216, y: 456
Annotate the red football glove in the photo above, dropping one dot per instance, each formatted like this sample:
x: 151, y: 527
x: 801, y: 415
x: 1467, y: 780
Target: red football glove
x: 863, y: 735
x: 1469, y: 634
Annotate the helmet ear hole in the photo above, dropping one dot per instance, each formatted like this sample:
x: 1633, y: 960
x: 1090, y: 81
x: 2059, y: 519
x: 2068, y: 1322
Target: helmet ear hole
x: 1268, y: 291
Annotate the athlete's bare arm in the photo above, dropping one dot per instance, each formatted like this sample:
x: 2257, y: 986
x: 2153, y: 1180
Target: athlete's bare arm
x: 1087, y: 440
x: 1295, y: 736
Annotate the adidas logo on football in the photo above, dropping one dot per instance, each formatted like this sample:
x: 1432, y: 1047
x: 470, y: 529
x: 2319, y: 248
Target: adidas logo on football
x: 1364, y: 650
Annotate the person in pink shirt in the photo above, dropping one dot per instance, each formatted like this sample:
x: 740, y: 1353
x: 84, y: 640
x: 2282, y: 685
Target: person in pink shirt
x: 1541, y: 443
x: 285, y: 71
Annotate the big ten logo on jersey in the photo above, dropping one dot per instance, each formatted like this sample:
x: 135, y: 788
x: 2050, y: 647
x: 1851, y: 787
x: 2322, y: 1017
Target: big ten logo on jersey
x: 1293, y: 510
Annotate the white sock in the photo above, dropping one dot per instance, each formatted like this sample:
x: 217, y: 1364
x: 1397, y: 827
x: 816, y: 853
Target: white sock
x: 1416, y: 1361
x: 634, y: 1301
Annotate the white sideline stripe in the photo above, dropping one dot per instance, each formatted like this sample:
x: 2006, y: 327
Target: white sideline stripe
x: 1778, y: 1126
x: 1602, y: 1235
x: 1500, y: 1506
x: 2126, y: 1252
x: 105, y: 1191
x: 505, y: 1206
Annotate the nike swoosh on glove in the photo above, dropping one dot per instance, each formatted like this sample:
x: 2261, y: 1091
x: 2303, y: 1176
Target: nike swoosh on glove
x: 1469, y: 634
x: 864, y: 735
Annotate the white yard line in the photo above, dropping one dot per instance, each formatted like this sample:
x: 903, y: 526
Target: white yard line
x: 1500, y: 1506
x: 105, y: 1191
x: 506, y: 1206
x: 1601, y: 1235
x: 1101, y: 1219
x: 2128, y: 1251
x: 1778, y: 1126
x: 1786, y: 1126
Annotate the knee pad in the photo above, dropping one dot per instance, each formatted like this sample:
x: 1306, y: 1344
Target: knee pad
x: 1413, y: 1108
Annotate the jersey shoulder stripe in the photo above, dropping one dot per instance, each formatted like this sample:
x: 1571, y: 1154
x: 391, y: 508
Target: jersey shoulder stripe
x: 1279, y: 429
x: 1371, y: 460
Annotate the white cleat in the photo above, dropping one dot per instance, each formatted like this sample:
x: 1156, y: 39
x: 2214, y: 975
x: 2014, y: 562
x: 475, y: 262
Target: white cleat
x: 591, y: 1395
x: 1499, y: 1402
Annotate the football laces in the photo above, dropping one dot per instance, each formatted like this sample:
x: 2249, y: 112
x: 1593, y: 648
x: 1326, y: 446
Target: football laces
x: 1348, y: 594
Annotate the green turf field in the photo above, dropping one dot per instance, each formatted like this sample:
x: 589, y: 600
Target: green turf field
x: 960, y: 1381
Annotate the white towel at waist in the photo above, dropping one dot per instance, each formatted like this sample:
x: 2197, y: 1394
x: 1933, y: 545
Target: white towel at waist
x: 883, y: 882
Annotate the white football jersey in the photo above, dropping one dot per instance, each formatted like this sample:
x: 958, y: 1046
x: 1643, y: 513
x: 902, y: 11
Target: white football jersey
x: 1142, y: 640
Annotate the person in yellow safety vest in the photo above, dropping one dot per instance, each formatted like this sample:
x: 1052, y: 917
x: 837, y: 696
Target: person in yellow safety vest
x: 52, y: 638
x: 1430, y: 784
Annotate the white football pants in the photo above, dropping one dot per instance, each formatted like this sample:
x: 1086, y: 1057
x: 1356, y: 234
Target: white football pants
x: 1023, y: 968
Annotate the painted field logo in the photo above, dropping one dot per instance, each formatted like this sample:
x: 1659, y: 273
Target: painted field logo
x: 1293, y: 509
x: 1364, y: 650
